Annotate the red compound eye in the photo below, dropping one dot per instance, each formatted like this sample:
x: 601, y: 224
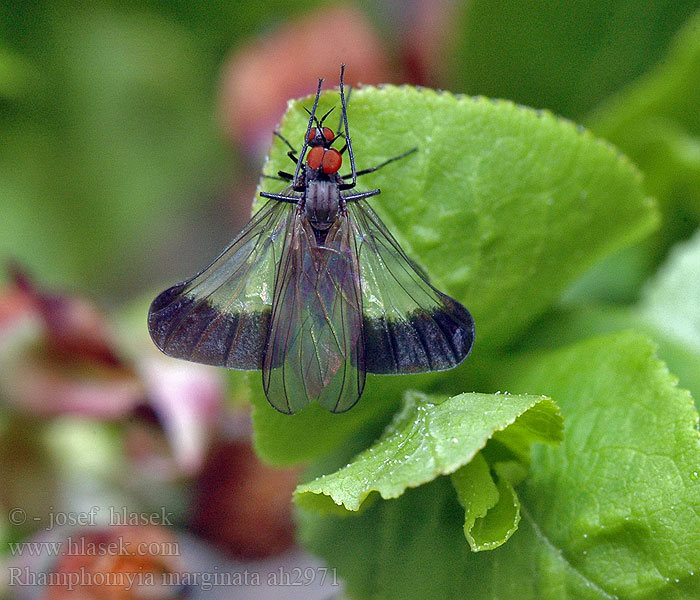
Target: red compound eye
x: 315, y: 157
x: 328, y: 160
x: 327, y: 133
x: 331, y: 162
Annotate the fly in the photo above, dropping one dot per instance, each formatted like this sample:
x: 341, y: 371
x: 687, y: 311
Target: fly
x: 314, y: 291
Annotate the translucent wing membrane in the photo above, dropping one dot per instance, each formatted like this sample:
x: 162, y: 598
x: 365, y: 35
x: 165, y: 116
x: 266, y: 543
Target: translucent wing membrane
x: 314, y: 310
x: 408, y: 325
x: 221, y: 316
x: 315, y: 349
x: 314, y: 291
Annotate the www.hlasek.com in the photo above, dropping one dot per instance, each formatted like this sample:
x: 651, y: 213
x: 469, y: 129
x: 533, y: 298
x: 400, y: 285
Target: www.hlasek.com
x: 81, y: 546
x: 205, y: 580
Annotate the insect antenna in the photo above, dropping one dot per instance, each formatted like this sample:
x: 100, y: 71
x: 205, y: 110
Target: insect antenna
x: 308, y: 112
x: 323, y: 118
x: 312, y: 114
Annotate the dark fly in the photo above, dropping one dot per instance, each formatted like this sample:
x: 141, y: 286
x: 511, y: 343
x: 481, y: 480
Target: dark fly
x: 314, y: 291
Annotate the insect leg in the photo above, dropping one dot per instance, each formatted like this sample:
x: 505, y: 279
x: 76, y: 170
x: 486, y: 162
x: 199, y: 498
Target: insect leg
x: 340, y: 123
x: 359, y: 195
x: 343, y: 105
x: 383, y: 164
x: 285, y: 140
x: 292, y: 151
x: 280, y: 197
x: 276, y: 177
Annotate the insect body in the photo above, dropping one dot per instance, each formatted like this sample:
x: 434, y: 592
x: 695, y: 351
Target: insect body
x: 314, y: 291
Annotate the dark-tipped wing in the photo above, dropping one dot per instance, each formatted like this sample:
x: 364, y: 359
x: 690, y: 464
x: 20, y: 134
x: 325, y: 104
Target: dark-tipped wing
x: 409, y: 326
x: 221, y: 315
x: 315, y: 350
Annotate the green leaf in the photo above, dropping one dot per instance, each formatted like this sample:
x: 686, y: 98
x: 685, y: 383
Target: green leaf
x: 669, y: 312
x: 575, y: 324
x: 617, y: 278
x: 656, y: 122
x: 430, y: 436
x: 17, y: 75
x: 496, y: 195
x: 414, y: 548
x: 314, y: 432
x: 671, y: 301
x: 621, y: 497
x: 491, y: 509
x: 612, y: 512
x: 565, y: 56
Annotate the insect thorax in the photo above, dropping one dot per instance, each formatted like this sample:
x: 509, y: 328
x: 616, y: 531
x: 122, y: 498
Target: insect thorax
x: 322, y: 203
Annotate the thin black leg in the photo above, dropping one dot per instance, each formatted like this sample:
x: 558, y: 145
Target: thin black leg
x: 280, y: 197
x: 285, y: 140
x: 359, y: 195
x: 384, y: 164
x: 348, y: 141
x: 340, y: 123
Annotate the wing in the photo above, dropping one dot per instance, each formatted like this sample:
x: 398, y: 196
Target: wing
x: 409, y: 326
x: 314, y: 349
x: 221, y: 315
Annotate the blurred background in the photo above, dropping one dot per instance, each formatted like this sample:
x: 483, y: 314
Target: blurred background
x: 132, y: 136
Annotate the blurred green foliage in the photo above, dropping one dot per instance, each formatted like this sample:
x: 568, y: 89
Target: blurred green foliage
x: 564, y: 56
x: 110, y: 145
x: 111, y: 149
